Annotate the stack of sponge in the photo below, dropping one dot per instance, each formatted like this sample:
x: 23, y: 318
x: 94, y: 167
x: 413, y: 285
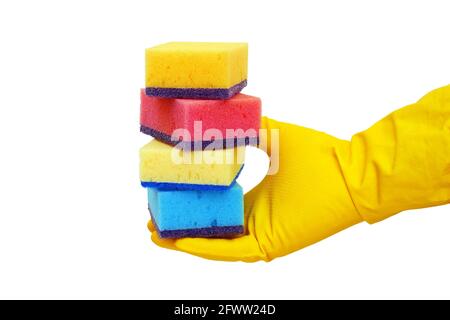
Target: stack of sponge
x: 201, y: 123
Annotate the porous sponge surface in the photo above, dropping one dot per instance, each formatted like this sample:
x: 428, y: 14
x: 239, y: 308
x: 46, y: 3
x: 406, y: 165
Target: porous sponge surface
x: 196, y: 65
x: 201, y: 167
x: 193, y: 209
x: 241, y: 114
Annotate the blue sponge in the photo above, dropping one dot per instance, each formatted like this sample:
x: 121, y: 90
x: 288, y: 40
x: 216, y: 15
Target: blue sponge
x: 197, y: 213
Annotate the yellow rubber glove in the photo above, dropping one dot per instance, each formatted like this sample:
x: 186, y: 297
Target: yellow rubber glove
x: 325, y: 185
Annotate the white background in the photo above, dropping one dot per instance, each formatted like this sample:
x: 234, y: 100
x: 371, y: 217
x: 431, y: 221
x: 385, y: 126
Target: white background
x: 72, y: 213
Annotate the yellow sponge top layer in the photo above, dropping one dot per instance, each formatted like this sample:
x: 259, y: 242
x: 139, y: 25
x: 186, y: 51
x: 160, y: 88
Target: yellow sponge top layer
x: 196, y: 65
x: 166, y: 164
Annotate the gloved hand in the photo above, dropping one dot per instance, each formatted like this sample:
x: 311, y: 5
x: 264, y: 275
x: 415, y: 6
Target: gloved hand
x: 325, y: 185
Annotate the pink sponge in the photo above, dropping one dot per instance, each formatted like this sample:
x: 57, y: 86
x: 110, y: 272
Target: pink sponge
x: 231, y: 122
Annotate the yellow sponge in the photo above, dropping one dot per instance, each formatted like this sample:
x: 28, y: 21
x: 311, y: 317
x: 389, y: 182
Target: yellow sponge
x: 196, y: 69
x: 166, y: 166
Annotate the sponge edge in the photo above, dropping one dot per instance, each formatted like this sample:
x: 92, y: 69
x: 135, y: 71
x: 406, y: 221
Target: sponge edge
x: 196, y: 93
x: 189, y: 186
x: 197, y: 213
x: 204, y: 144
x: 210, y: 232
x: 163, y: 165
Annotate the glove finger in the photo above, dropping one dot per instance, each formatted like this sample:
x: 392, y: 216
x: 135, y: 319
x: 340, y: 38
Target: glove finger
x: 163, y: 243
x: 151, y: 226
x: 245, y: 248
